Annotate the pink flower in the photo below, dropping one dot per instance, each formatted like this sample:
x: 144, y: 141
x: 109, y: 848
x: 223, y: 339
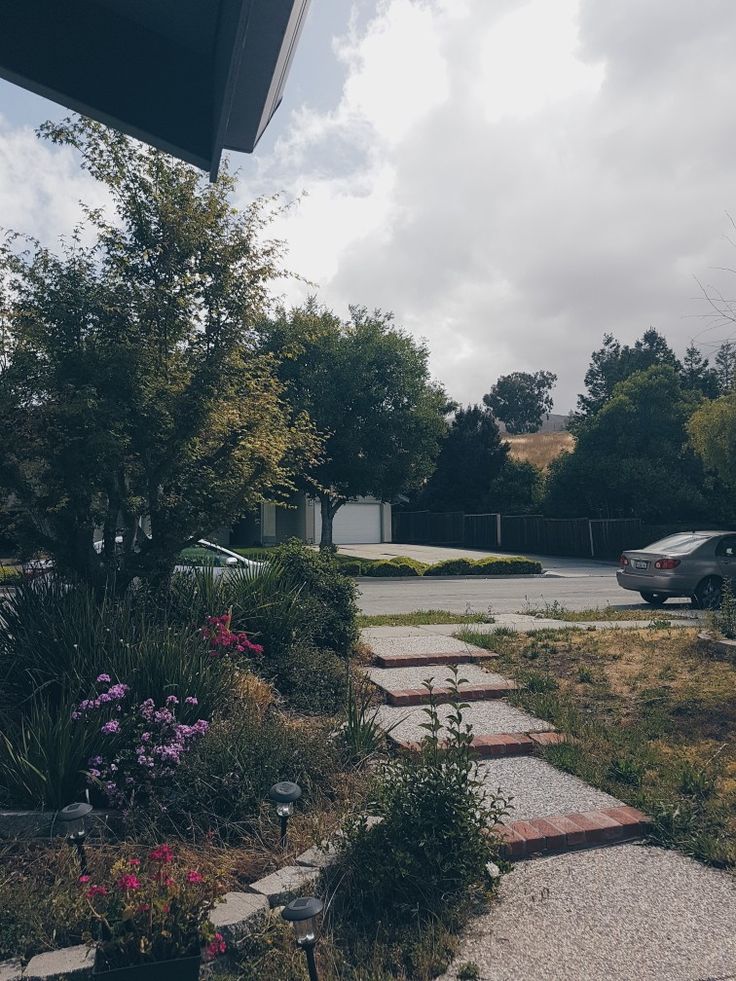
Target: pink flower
x: 128, y: 882
x: 135, y: 862
x: 164, y: 853
x: 217, y: 946
x: 194, y: 877
x: 103, y: 679
x: 110, y: 728
x: 96, y: 891
x: 84, y: 878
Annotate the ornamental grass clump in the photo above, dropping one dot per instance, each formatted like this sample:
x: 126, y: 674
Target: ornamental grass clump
x: 139, y: 745
x: 152, y: 909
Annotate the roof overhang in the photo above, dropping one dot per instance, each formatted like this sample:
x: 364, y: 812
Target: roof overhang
x: 191, y: 77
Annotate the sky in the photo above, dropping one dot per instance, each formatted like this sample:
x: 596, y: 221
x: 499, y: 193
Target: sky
x: 512, y: 178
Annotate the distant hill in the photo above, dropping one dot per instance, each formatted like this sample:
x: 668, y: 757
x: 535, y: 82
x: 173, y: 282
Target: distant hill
x: 541, y: 448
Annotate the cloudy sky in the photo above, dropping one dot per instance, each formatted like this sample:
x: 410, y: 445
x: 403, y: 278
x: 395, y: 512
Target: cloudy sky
x: 512, y: 178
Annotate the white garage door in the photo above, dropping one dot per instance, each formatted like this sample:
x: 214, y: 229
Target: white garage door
x: 355, y: 524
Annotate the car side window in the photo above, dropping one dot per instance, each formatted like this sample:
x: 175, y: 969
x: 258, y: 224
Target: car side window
x: 727, y: 548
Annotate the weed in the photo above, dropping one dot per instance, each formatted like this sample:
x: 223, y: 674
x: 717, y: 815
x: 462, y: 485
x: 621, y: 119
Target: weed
x: 585, y: 676
x: 469, y: 971
x: 627, y: 771
x: 537, y: 683
x: 697, y: 782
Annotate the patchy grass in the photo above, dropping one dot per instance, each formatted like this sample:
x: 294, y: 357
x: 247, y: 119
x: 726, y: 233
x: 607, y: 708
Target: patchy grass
x: 655, y: 721
x: 540, y: 449
x: 421, y: 618
x: 557, y: 611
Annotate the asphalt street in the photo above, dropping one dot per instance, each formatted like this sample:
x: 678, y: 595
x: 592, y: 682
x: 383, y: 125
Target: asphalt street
x: 576, y: 584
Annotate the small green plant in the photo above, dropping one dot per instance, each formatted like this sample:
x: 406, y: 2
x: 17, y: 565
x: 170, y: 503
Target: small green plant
x: 627, y: 771
x: 363, y: 733
x: 585, y: 676
x: 659, y: 623
x: 469, y: 971
x: 538, y: 683
x: 435, y: 841
x: 697, y: 782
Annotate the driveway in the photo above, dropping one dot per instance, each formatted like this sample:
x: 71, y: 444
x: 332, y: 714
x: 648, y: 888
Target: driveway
x: 577, y: 584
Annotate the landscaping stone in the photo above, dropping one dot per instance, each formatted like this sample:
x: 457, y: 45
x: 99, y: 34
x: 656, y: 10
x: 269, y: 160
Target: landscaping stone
x: 239, y: 915
x: 70, y: 962
x: 486, y: 718
x: 539, y: 789
x: 318, y: 858
x: 607, y: 914
x: 11, y: 970
x: 284, y: 885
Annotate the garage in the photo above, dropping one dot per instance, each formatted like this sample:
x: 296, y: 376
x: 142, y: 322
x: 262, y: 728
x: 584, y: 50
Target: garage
x: 356, y: 523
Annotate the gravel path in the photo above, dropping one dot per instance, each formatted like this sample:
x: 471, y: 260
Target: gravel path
x: 398, y: 679
x: 486, y: 719
x: 626, y: 913
x: 539, y: 789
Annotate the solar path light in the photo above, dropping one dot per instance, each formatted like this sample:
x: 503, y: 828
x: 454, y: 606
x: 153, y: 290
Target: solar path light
x: 72, y: 823
x: 302, y: 914
x: 283, y: 795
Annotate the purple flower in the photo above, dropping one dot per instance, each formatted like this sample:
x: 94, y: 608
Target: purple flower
x: 110, y: 727
x: 103, y: 679
x: 191, y: 700
x: 172, y: 700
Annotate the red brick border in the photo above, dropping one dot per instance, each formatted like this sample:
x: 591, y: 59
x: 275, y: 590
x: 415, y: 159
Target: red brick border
x: 468, y: 693
x: 564, y: 832
x: 543, y: 739
x: 428, y: 660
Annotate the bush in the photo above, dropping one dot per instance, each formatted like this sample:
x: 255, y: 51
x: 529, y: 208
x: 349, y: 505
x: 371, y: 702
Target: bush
x: 353, y: 567
x: 314, y: 681
x: 395, y: 567
x: 511, y: 566
x: 221, y: 786
x: 434, y: 843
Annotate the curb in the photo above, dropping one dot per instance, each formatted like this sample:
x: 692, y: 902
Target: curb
x: 566, y: 832
x: 467, y: 693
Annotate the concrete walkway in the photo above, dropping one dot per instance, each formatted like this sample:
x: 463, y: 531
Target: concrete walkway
x: 577, y: 909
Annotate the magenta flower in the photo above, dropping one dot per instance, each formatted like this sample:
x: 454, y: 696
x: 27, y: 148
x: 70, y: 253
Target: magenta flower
x: 110, y: 728
x: 103, y: 679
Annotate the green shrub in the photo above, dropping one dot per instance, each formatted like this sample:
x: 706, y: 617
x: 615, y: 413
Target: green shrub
x: 353, y: 567
x: 327, y: 598
x: 434, y: 843
x: 313, y: 680
x: 10, y: 576
x: 395, y: 567
x: 222, y: 784
x: 512, y: 566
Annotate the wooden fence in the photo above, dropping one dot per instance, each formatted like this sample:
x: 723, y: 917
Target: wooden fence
x: 578, y: 537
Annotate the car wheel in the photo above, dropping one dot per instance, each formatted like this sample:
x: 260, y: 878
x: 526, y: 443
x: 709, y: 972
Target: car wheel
x: 654, y: 599
x: 709, y: 593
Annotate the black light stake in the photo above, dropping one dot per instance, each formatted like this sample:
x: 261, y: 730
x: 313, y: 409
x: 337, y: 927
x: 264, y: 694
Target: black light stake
x: 302, y: 914
x: 283, y: 795
x: 72, y: 821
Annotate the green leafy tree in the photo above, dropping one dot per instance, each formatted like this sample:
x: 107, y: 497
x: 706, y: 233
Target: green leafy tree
x: 632, y: 457
x: 615, y: 362
x: 712, y: 431
x: 521, y: 399
x: 366, y: 386
x: 472, y: 457
x: 132, y: 383
x: 697, y: 374
x: 725, y: 367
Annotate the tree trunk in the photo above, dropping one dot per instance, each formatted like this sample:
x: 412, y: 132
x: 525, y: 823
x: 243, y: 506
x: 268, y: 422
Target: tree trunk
x: 328, y: 509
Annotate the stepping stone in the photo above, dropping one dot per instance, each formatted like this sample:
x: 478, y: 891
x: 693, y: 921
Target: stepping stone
x: 405, y: 686
x: 539, y: 790
x: 421, y: 649
x: 565, y: 832
x: 430, y: 660
x: 491, y: 718
x: 606, y: 914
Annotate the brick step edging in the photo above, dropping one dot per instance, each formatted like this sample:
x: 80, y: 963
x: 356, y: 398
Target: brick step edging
x: 566, y: 832
x: 430, y: 660
x: 468, y: 693
x: 500, y: 744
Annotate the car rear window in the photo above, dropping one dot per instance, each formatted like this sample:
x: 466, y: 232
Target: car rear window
x: 679, y: 544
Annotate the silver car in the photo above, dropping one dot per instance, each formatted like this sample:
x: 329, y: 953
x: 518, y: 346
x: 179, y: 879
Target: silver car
x: 692, y: 563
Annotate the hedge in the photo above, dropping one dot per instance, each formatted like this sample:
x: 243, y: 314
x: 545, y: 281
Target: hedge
x: 399, y: 566
x: 514, y: 565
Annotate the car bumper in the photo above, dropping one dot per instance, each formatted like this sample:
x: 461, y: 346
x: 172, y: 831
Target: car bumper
x: 647, y: 583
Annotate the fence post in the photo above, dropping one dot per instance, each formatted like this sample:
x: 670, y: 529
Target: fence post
x: 590, y: 534
x: 498, y: 531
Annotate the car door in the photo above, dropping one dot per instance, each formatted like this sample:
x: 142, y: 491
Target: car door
x: 726, y: 557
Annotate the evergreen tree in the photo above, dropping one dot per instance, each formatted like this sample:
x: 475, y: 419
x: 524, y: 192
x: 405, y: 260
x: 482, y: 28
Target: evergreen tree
x: 697, y: 375
x: 725, y: 367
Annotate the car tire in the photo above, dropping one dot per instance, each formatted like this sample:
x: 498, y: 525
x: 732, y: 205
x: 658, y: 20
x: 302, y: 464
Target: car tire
x: 708, y: 594
x: 654, y: 599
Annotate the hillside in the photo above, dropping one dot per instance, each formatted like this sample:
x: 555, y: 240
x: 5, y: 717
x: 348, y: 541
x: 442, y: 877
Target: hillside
x: 540, y: 448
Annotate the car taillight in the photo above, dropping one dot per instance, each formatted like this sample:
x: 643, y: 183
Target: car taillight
x: 666, y: 563
x: 624, y: 561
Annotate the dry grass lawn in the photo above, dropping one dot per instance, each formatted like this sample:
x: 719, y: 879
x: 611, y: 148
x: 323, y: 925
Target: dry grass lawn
x: 541, y: 449
x: 655, y: 721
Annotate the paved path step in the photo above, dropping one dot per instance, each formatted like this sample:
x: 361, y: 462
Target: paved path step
x: 488, y: 718
x: 431, y: 660
x: 434, y: 645
x: 406, y: 686
x: 468, y: 693
x: 565, y: 832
